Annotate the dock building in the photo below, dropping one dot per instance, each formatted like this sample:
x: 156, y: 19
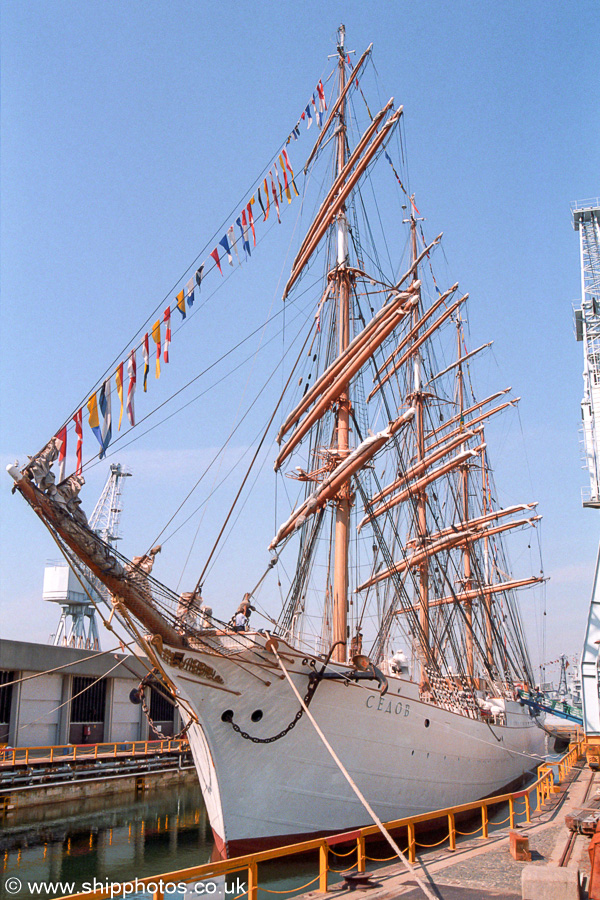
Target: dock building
x: 75, y: 697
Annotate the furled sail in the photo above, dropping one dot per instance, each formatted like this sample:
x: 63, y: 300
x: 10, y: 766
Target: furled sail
x: 340, y: 475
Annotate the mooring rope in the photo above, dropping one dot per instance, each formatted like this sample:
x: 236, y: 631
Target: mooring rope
x: 272, y: 646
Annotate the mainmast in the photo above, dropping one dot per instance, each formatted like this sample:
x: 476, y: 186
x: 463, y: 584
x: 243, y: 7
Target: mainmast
x: 418, y: 402
x: 341, y: 275
x: 467, y: 584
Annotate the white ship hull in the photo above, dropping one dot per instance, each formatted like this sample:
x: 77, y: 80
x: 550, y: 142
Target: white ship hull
x: 406, y: 756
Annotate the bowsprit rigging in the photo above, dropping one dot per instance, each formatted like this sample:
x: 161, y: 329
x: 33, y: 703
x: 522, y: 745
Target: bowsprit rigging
x: 389, y: 544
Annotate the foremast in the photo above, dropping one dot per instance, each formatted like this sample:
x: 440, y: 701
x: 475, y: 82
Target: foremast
x: 343, y: 500
x: 465, y: 508
x: 418, y: 401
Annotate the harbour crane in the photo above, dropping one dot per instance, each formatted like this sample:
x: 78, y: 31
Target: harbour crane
x: 586, y: 220
x: 77, y: 626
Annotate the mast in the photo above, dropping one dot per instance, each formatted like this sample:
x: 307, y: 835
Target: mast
x: 417, y: 402
x: 465, y: 513
x: 342, y: 515
x: 487, y: 600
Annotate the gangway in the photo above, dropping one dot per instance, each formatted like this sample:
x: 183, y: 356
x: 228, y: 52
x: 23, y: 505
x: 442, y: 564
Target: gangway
x: 560, y: 708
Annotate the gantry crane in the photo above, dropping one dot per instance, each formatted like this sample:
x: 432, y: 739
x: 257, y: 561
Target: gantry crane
x: 586, y: 220
x: 77, y: 626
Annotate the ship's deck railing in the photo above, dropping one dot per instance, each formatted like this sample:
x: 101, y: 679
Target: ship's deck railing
x: 543, y: 788
x: 10, y: 756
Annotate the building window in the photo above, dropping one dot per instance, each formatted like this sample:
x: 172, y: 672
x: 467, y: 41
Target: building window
x: 87, y: 710
x: 89, y: 706
x: 5, y: 703
x: 162, y: 713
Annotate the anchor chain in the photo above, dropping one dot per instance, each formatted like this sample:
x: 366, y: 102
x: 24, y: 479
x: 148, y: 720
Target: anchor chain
x: 313, y: 682
x: 147, y: 682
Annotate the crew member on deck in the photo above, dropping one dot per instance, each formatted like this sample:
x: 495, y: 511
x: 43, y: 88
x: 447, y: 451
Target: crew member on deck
x: 240, y: 622
x: 242, y: 614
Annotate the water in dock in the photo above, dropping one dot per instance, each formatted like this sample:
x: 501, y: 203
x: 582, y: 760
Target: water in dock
x: 106, y: 838
x: 133, y: 836
x: 117, y: 840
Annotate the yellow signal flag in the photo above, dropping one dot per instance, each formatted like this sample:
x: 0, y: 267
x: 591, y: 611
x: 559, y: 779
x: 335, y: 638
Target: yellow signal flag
x: 181, y: 303
x: 156, y: 339
x: 288, y: 193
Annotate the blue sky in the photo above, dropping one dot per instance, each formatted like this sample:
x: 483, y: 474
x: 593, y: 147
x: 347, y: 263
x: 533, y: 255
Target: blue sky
x: 130, y: 132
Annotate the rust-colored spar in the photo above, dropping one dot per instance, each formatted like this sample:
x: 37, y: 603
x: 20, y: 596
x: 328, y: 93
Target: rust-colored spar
x: 340, y: 380
x: 421, y: 483
x: 415, y: 346
x: 466, y: 412
x: 446, y: 543
x: 446, y: 540
x: 340, y: 476
x: 341, y: 178
x: 477, y: 522
x: 336, y: 106
x: 488, y: 532
x: 422, y: 466
x: 369, y: 334
x: 416, y: 327
x: 120, y: 588
x: 483, y: 591
x: 475, y: 421
x: 338, y: 203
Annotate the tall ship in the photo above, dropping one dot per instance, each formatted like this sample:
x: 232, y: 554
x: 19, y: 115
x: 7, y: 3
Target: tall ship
x: 385, y: 599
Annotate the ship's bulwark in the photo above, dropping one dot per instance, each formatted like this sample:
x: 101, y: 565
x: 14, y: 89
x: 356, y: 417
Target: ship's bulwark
x: 407, y: 757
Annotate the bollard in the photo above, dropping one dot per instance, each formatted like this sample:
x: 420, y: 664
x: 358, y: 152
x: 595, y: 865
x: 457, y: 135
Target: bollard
x: 519, y: 846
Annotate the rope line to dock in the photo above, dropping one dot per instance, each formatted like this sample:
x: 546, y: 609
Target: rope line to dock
x: 272, y: 646
x: 74, y: 662
x: 70, y: 700
x: 535, y: 756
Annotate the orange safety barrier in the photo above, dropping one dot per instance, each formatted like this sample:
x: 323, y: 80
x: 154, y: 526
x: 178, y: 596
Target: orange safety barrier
x: 67, y: 752
x: 543, y: 787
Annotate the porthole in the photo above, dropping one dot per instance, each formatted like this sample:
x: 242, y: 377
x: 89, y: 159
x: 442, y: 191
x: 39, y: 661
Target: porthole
x: 227, y: 716
x: 257, y: 715
x: 426, y: 723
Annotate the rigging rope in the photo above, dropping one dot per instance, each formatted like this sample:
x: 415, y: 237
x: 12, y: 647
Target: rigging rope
x: 74, y: 662
x: 246, y: 476
x: 271, y: 645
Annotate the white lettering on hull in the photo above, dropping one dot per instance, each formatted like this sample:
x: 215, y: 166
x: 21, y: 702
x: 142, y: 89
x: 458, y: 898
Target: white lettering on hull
x: 386, y: 705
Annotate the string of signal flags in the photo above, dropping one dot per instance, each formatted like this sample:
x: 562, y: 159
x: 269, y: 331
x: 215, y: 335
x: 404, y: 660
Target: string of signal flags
x: 240, y: 238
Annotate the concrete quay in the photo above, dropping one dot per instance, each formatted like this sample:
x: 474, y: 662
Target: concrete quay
x: 485, y: 870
